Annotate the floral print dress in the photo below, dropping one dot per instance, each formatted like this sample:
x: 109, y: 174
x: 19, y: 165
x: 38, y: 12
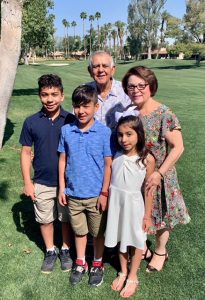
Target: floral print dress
x: 168, y: 207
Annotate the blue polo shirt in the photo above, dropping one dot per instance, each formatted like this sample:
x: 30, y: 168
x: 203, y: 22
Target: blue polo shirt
x: 85, y: 158
x: 44, y: 134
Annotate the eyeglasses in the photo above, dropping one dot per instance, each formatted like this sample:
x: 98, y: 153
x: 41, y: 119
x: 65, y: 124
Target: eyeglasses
x: 139, y: 86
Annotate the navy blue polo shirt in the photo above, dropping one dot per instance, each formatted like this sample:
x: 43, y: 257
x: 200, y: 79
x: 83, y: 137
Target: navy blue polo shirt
x: 43, y: 133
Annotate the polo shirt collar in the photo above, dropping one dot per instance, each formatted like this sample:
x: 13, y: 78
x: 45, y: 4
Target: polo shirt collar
x: 63, y: 113
x: 113, y: 91
x: 93, y: 128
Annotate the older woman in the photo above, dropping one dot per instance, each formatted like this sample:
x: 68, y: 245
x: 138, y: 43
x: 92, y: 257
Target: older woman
x: 164, y: 140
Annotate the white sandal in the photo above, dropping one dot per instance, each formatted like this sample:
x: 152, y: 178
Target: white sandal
x: 120, y: 281
x: 129, y: 282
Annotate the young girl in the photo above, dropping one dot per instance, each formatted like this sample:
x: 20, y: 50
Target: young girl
x: 128, y: 217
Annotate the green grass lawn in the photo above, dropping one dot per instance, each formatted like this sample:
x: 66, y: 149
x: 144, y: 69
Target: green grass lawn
x: 180, y: 87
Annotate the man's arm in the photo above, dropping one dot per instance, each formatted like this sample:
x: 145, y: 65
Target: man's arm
x: 102, y: 200
x: 28, y: 189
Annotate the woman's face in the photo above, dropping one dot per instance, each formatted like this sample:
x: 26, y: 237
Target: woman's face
x: 138, y: 90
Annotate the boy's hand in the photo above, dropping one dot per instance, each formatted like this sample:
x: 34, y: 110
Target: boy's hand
x: 62, y: 199
x: 102, y: 203
x: 147, y: 223
x: 29, y: 190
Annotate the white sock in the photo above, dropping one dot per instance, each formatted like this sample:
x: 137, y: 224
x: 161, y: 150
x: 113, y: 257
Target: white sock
x: 65, y: 248
x: 51, y: 249
x: 98, y: 259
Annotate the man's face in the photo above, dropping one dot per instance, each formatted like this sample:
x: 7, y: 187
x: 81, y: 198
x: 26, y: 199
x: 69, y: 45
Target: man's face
x: 101, y: 69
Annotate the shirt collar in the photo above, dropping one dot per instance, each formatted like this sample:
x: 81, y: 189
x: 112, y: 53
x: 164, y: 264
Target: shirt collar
x: 112, y: 92
x: 63, y: 113
x: 75, y: 127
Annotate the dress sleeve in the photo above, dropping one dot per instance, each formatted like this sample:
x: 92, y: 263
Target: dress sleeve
x: 169, y: 122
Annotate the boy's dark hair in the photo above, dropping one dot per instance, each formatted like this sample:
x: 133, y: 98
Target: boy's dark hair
x: 84, y: 94
x: 50, y: 80
x: 136, y: 124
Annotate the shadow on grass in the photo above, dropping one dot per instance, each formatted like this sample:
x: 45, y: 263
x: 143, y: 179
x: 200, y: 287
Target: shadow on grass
x: 24, y: 219
x: 182, y: 67
x: 25, y: 92
x: 4, y: 189
x: 9, y: 130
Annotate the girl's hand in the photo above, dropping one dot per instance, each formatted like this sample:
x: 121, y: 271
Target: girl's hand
x: 147, y: 223
x: 153, y: 180
x: 62, y: 199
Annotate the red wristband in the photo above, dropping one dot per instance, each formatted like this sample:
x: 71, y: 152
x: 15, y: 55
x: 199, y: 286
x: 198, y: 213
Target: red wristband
x: 106, y: 194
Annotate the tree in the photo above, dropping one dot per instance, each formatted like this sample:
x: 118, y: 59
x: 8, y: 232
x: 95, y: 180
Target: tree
x: 83, y: 16
x: 144, y: 21
x: 37, y: 26
x: 91, y: 19
x: 66, y: 24
x: 114, y: 37
x: 11, y: 18
x: 97, y: 17
x: 120, y: 31
x: 194, y: 19
x: 74, y: 24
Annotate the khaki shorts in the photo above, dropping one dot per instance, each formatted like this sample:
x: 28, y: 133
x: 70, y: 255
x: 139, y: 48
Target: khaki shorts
x: 85, y: 217
x: 46, y: 206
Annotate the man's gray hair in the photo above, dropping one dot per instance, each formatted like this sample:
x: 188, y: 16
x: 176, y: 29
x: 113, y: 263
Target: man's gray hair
x: 100, y: 52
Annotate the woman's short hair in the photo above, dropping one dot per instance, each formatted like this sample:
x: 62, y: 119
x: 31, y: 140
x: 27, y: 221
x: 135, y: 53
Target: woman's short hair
x: 146, y: 74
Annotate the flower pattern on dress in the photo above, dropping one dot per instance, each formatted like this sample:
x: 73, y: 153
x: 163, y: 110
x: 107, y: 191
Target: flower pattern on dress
x: 168, y: 206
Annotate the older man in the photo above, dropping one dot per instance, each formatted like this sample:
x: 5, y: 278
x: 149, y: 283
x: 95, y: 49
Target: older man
x: 111, y: 96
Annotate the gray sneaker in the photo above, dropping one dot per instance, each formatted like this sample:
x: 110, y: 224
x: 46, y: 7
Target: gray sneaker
x: 49, y: 262
x: 66, y: 260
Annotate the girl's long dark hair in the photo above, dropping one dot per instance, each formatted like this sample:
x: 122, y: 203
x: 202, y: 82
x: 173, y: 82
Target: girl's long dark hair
x: 136, y: 124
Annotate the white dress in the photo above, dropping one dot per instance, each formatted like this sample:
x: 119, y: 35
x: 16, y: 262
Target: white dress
x: 126, y: 204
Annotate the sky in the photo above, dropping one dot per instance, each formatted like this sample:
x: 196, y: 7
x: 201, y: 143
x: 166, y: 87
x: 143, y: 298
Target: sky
x: 111, y: 11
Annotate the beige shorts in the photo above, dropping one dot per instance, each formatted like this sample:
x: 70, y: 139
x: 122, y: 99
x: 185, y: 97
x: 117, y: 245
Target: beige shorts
x: 85, y: 217
x: 46, y: 206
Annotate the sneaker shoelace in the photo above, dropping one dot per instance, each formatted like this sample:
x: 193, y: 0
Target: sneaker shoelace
x: 79, y: 269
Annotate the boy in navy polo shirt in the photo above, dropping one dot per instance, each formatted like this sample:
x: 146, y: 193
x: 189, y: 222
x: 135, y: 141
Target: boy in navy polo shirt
x: 42, y: 130
x: 85, y: 160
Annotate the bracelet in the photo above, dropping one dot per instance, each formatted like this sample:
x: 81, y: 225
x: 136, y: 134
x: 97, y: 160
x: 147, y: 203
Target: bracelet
x: 106, y: 194
x: 158, y: 171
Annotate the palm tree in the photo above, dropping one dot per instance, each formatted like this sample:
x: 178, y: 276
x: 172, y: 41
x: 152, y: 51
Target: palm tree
x: 66, y: 24
x: 83, y: 16
x: 114, y: 37
x: 120, y: 31
x: 97, y: 17
x: 91, y: 19
x: 74, y: 24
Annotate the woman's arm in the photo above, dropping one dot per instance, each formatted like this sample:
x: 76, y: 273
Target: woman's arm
x: 175, y: 142
x: 147, y: 222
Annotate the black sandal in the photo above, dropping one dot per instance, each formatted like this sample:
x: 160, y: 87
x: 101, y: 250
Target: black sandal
x: 151, y: 269
x: 144, y: 255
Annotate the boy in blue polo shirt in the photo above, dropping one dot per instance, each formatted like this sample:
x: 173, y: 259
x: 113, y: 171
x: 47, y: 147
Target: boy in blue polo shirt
x: 85, y: 160
x: 43, y: 131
